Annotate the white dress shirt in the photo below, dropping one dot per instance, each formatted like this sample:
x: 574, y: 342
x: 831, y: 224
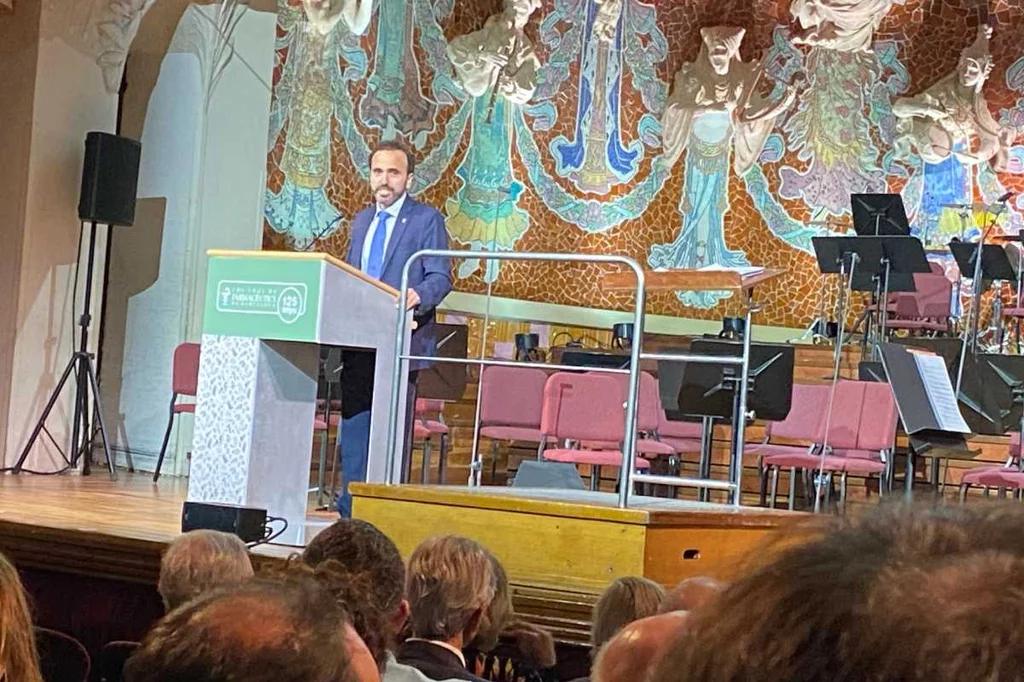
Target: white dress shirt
x: 392, y: 211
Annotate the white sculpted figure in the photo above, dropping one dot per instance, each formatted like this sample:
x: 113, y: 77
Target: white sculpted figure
x: 951, y: 118
x: 607, y: 20
x: 842, y: 25
x: 499, y: 55
x: 497, y: 66
x: 715, y: 113
x: 324, y: 15
x: 720, y: 85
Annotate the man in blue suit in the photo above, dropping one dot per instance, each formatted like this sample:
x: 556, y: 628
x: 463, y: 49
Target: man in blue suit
x: 384, y: 236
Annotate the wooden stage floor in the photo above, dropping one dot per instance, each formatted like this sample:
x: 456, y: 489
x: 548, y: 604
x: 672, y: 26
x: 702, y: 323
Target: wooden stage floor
x: 559, y: 548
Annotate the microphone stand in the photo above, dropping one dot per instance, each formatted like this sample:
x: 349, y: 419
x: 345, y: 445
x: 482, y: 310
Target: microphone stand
x: 972, y: 339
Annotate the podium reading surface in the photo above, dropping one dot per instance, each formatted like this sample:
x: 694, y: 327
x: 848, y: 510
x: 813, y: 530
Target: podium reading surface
x: 266, y: 315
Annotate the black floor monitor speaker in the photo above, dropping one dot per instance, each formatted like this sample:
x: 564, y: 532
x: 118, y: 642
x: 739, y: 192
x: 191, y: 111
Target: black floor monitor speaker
x: 548, y: 475
x: 247, y: 523
x: 110, y: 179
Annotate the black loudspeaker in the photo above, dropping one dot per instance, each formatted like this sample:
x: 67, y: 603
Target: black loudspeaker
x: 110, y: 179
x: 247, y: 523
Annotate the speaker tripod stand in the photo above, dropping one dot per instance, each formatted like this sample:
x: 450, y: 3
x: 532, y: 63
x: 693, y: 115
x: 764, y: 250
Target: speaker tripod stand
x: 82, y: 366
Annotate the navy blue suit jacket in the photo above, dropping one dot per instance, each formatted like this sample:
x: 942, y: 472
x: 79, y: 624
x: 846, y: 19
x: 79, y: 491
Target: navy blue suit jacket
x: 417, y: 227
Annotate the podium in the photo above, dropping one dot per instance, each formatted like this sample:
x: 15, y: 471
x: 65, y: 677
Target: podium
x: 266, y: 315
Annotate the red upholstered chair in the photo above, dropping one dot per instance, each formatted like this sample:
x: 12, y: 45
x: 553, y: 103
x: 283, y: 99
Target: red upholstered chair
x: 649, y: 416
x: 585, y: 407
x: 511, y: 399
x: 184, y: 382
x: 1002, y: 477
x: 428, y: 426
x: 802, y: 431
x: 680, y: 436
x: 861, y: 436
x: 928, y: 308
x: 62, y: 658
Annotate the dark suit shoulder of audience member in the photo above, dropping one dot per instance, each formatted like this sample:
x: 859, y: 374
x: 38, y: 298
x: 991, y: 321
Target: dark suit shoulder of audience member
x: 901, y: 595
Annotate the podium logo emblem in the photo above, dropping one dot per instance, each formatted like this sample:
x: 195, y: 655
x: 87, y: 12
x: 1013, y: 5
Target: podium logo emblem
x: 285, y: 300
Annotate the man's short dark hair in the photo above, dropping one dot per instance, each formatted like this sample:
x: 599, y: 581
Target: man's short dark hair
x: 395, y: 146
x: 361, y: 548
x: 262, y: 631
x: 901, y: 596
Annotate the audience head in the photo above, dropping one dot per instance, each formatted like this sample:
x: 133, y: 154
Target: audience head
x: 636, y: 649
x: 19, y: 659
x: 260, y: 631
x: 691, y: 594
x: 199, y: 561
x: 900, y: 595
x: 354, y: 593
x: 498, y: 613
x: 625, y: 600
x: 361, y: 550
x: 450, y: 584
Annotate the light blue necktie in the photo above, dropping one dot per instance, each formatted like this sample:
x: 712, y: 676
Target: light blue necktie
x: 375, y: 263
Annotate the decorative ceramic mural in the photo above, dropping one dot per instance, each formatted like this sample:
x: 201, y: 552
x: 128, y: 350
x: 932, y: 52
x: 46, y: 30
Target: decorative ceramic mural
x: 680, y: 133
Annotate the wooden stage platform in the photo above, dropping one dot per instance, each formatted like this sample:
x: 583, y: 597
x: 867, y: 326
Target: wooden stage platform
x: 559, y: 552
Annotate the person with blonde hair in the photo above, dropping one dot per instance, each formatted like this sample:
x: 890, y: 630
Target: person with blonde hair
x: 199, y: 561
x: 19, y: 659
x: 450, y: 584
x: 624, y: 601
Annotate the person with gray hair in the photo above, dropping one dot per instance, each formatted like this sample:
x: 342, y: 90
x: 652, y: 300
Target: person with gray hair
x: 449, y: 584
x: 199, y: 561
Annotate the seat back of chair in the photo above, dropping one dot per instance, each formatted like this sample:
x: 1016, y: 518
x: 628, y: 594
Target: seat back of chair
x: 112, y: 658
x: 512, y: 396
x: 429, y: 407
x: 583, y: 406
x: 934, y: 294
x: 845, y: 420
x: 878, y: 418
x: 648, y: 406
x: 62, y: 658
x: 804, y: 421
x: 185, y: 369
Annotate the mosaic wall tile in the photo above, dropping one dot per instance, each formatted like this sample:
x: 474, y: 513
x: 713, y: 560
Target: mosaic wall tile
x: 917, y: 44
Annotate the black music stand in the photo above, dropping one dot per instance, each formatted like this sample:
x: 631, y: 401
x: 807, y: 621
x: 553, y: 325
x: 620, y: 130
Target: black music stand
x: 995, y: 266
x: 878, y: 215
x: 698, y: 389
x: 446, y: 380
x: 917, y: 399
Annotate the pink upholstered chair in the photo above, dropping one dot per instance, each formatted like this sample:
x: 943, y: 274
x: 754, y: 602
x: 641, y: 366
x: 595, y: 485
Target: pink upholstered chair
x: 184, y: 382
x: 861, y: 436
x: 680, y: 436
x: 648, y: 417
x: 802, y: 432
x: 511, y: 399
x: 1003, y: 477
x: 428, y: 425
x: 585, y: 407
x: 928, y: 308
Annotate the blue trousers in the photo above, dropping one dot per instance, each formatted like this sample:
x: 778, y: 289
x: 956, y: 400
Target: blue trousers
x: 354, y: 447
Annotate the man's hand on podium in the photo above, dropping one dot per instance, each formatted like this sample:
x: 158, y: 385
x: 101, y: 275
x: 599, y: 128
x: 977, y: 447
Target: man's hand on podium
x: 412, y: 299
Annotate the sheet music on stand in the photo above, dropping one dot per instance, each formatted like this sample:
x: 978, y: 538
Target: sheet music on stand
x: 939, y: 390
x: 927, y: 404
